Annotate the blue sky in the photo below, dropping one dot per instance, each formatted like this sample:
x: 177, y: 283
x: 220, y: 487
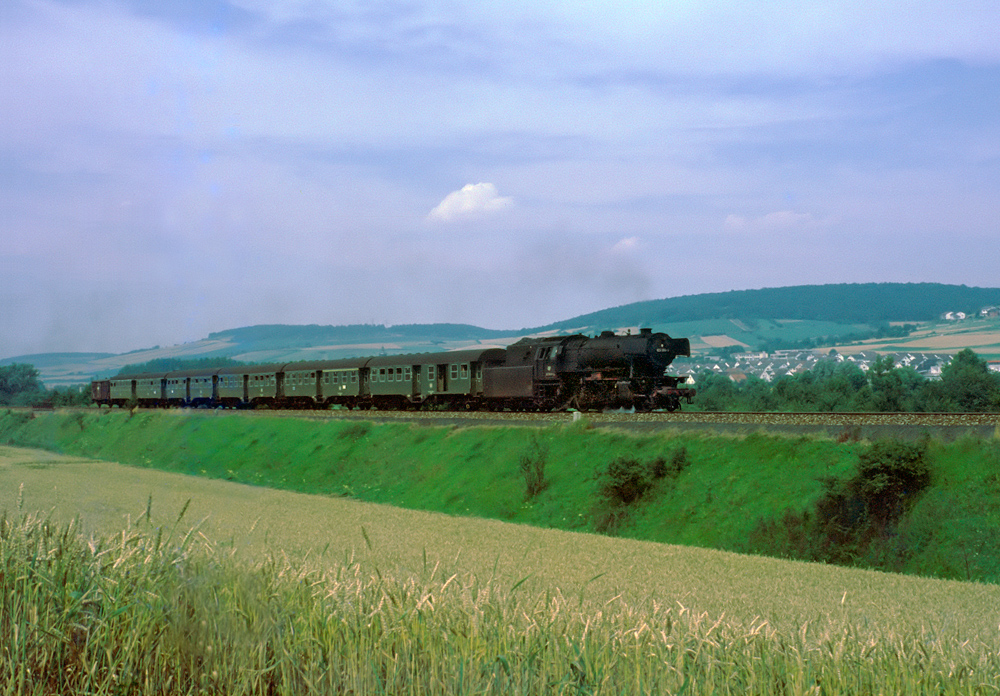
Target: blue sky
x: 168, y: 169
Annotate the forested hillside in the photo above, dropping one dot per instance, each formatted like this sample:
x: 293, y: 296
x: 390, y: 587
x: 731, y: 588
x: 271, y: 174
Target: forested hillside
x: 868, y: 303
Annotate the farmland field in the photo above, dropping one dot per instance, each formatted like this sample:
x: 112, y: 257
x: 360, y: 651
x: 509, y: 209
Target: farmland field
x: 551, y: 611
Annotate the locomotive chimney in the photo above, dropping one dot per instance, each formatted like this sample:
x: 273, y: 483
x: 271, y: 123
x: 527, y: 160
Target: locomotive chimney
x: 645, y: 332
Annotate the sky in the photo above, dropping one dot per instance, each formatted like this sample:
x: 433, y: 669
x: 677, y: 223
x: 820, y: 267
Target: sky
x: 173, y: 168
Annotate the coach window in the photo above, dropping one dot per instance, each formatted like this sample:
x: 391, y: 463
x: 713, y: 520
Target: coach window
x: 430, y: 372
x: 454, y: 370
x: 465, y: 371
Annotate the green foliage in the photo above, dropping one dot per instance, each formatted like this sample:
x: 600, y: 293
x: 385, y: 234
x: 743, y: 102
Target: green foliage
x: 967, y: 385
x: 626, y: 480
x: 856, y: 520
x: 19, y: 385
x: 532, y: 466
x: 890, y: 476
x: 716, y: 392
x: 622, y: 483
x: 73, y: 395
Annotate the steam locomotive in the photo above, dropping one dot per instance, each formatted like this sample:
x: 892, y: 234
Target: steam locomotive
x: 535, y: 374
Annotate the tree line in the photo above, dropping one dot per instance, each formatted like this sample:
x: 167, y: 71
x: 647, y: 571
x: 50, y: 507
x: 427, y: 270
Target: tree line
x: 966, y: 385
x: 20, y: 386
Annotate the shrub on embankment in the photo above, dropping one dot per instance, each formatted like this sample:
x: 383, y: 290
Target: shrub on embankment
x: 746, y: 493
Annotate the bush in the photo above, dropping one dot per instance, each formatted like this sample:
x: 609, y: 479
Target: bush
x: 628, y: 480
x: 890, y: 475
x: 532, y: 466
x: 618, y: 487
x: 625, y: 481
x: 855, y: 519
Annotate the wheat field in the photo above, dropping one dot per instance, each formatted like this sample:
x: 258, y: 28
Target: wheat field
x: 361, y: 598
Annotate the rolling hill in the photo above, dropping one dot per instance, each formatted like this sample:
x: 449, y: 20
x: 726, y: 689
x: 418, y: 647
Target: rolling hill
x: 869, y: 315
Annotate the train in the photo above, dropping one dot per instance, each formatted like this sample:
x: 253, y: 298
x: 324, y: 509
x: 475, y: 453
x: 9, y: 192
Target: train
x: 552, y: 373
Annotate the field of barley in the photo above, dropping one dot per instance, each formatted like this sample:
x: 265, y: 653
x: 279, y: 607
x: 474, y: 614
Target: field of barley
x: 174, y: 584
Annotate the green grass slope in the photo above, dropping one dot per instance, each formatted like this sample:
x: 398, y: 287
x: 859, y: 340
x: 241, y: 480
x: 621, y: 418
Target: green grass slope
x: 719, y: 494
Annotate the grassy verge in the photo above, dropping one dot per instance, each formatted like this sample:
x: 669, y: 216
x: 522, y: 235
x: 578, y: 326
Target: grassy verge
x: 554, y: 476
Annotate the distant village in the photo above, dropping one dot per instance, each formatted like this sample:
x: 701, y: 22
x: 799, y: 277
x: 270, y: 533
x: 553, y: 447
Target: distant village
x: 782, y: 363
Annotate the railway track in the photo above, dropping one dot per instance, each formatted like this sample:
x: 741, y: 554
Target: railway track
x: 839, y: 425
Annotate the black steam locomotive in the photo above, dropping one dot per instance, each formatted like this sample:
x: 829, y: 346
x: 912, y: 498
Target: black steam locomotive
x: 535, y: 374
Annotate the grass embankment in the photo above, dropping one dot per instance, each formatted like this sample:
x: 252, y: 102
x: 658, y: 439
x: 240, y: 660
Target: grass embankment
x: 724, y: 492
x: 383, y: 600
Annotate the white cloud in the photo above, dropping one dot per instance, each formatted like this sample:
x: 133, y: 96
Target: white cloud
x: 625, y: 245
x: 472, y: 201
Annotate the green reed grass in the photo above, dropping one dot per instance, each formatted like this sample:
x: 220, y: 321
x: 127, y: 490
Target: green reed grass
x: 147, y: 611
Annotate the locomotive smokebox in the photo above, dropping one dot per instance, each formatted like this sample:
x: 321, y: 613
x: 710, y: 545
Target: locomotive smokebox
x: 645, y: 354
